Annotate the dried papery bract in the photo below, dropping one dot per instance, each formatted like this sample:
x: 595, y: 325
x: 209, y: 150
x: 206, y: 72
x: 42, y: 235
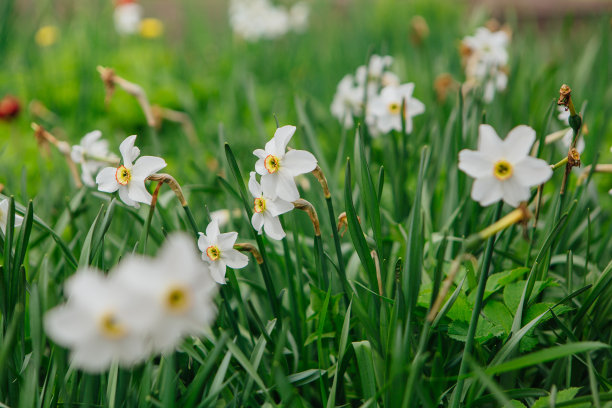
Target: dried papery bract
x: 318, y: 173
x: 110, y: 79
x: 575, y: 122
x: 172, y: 183
x: 306, y: 206
x: 44, y: 138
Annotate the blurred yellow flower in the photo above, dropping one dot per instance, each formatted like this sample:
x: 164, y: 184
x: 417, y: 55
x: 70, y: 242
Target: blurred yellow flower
x: 47, y: 35
x: 151, y: 28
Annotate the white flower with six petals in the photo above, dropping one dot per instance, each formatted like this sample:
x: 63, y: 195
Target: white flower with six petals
x: 503, y: 169
x: 92, y: 153
x: 218, y: 251
x: 385, y: 111
x: 129, y: 178
x: 278, y: 167
x: 266, y: 211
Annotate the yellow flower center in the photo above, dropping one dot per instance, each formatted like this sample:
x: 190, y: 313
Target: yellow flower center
x: 394, y: 108
x: 110, y: 326
x: 502, y: 170
x: 272, y: 164
x: 177, y: 299
x: 123, y: 175
x: 260, y: 205
x: 213, y: 252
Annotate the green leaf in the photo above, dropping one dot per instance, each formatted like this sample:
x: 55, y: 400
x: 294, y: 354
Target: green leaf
x: 562, y: 396
x: 363, y: 353
x: 497, y: 311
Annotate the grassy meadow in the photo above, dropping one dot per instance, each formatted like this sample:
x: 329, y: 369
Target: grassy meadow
x: 400, y: 302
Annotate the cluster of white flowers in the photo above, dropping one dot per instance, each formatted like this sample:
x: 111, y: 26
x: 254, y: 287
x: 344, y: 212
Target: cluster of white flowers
x: 569, y: 134
x: 260, y: 19
x: 278, y: 168
x: 503, y: 169
x: 4, y: 215
x: 144, y: 306
x: 486, y: 59
x: 92, y: 154
x: 381, y: 93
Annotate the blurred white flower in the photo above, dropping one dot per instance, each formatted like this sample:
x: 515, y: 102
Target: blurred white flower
x: 92, y: 153
x: 218, y: 251
x: 4, y: 209
x: 278, y: 168
x: 260, y: 19
x: 177, y: 288
x: 486, y: 59
x: 266, y: 211
x: 348, y: 101
x: 129, y: 178
x: 385, y: 110
x: 127, y: 16
x: 503, y: 169
x: 100, y: 322
x: 569, y: 134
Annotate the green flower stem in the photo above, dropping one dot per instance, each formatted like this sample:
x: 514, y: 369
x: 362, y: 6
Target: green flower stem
x: 192, y: 222
x: 559, y: 164
x: 469, y: 344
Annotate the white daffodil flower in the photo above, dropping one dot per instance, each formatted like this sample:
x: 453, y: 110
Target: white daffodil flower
x: 218, y: 251
x: 503, y: 169
x: 260, y: 19
x: 127, y: 17
x: 266, y: 211
x: 100, y: 323
x: 386, y: 109
x: 178, y: 288
x: 129, y: 178
x: 4, y: 209
x: 92, y: 154
x: 348, y: 101
x: 278, y: 167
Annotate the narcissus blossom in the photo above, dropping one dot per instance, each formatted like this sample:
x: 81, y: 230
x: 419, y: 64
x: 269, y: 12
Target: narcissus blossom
x: 503, y: 169
x: 129, y: 178
x: 348, y: 101
x: 260, y: 19
x: 4, y: 209
x: 127, y: 16
x: 278, y: 167
x: 92, y: 153
x: 100, y: 322
x: 177, y: 288
x: 218, y: 251
x: 266, y: 211
x: 386, y: 109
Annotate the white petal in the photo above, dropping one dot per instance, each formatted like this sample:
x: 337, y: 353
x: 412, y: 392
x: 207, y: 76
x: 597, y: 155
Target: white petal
x: 254, y: 186
x: 93, y: 356
x: 514, y: 192
x: 217, y: 270
x: 518, y: 143
x: 269, y: 183
x: 414, y: 107
x: 489, y: 143
x: 68, y: 325
x: 212, y: 231
x: 532, y: 172
x: 18, y: 220
x: 138, y: 192
x: 124, y: 195
x: 298, y: 162
x: 286, y: 188
x: 226, y: 240
x: 279, y: 142
x: 129, y: 152
x: 235, y: 259
x: 257, y: 220
x: 147, y: 165
x: 277, y: 207
x: 107, y: 180
x: 486, y: 190
x: 260, y: 153
x: 203, y: 243
x: 273, y: 227
x: 260, y: 167
x: 474, y: 163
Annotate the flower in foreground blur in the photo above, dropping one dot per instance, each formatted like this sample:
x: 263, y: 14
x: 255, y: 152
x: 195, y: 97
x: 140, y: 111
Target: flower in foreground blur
x: 503, y: 169
x: 9, y: 107
x: 386, y: 109
x: 278, y: 168
x: 127, y: 16
x: 218, y: 251
x: 46, y: 35
x: 485, y: 58
x: 266, y: 211
x: 4, y: 209
x: 92, y: 153
x: 151, y: 28
x: 177, y: 288
x: 129, y: 178
x: 100, y: 322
